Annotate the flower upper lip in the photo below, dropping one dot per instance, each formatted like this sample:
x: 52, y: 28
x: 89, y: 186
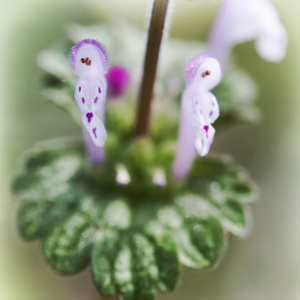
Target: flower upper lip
x: 240, y: 21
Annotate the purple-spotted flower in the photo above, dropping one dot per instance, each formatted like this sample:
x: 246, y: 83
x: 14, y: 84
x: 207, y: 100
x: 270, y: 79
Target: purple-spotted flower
x: 89, y: 61
x: 117, y: 81
x: 244, y: 20
x: 199, y: 109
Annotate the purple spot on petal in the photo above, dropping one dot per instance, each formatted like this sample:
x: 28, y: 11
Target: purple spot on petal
x: 200, y: 112
x: 79, y: 89
x: 211, y: 113
x: 99, y: 90
x: 96, y: 99
x: 83, y: 100
x: 213, y: 103
x: 89, y: 116
x: 206, y: 129
x: 196, y: 102
x: 94, y: 132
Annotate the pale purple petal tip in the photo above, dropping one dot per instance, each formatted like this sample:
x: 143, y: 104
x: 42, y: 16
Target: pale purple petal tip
x: 193, y: 65
x: 117, y: 81
x: 101, y: 48
x: 96, y: 154
x: 241, y: 21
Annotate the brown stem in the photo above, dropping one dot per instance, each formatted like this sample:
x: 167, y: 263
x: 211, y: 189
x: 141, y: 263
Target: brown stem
x: 155, y: 34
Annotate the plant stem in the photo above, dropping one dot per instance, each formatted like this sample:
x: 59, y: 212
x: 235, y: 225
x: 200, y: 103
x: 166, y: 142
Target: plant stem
x: 155, y: 34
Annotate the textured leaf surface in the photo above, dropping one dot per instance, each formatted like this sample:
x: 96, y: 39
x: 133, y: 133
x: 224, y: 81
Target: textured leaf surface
x: 134, y: 235
x: 103, y: 255
x: 39, y: 215
x: 67, y: 246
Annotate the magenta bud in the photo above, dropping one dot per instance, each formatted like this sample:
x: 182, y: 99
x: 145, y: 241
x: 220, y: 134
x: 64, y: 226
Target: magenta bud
x: 118, y: 80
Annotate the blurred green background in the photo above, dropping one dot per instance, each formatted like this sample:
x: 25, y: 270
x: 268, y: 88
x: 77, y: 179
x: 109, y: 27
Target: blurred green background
x: 266, y: 265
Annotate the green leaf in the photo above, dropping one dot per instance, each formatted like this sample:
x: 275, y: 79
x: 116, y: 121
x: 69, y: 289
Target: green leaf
x: 67, y: 246
x: 64, y: 99
x: 37, y: 216
x: 166, y: 256
x: 49, y: 163
x: 145, y: 271
x: 236, y: 95
x: 103, y: 256
x: 123, y: 276
x: 189, y: 255
x: 167, y: 261
x: 232, y: 215
x: 134, y: 234
x: 117, y: 215
x: 207, y: 235
x: 219, y: 179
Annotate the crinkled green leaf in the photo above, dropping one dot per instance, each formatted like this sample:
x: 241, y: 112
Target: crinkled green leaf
x: 135, y: 271
x: 208, y: 237
x: 67, y: 246
x: 134, y: 234
x: 117, y: 215
x: 167, y: 261
x: 219, y: 179
x: 122, y: 271
x: 145, y: 268
x: 104, y: 253
x: 39, y: 215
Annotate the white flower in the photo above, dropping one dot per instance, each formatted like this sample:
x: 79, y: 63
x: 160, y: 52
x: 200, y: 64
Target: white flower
x: 89, y: 61
x: 199, y: 109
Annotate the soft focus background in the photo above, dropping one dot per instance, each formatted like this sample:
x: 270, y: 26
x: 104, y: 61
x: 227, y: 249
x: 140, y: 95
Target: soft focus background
x: 266, y: 265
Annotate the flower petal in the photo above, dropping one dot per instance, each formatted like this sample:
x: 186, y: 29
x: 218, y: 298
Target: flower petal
x: 272, y: 46
x: 187, y: 132
x: 204, y: 71
x: 96, y: 129
x: 241, y: 21
x: 204, y: 139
